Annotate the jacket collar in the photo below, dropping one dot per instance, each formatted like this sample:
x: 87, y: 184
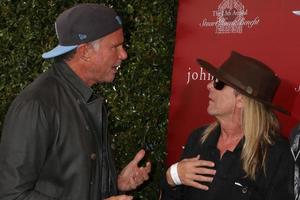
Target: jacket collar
x: 73, y: 81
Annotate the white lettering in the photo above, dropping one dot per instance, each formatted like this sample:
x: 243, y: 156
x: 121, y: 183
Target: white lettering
x: 235, y: 23
x: 195, y: 75
x: 297, y: 89
x: 188, y: 76
x: 205, y: 23
x: 198, y: 75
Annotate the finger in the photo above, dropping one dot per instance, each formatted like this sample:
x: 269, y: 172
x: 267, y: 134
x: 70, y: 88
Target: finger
x: 193, y: 158
x: 148, y: 167
x: 124, y: 197
x: 138, y: 176
x: 197, y: 163
x: 203, y: 163
x: 132, y: 183
x: 143, y: 176
x: 194, y: 167
x: 202, y: 178
x: 196, y: 158
x: 144, y: 171
x: 120, y: 197
x: 198, y: 185
x: 203, y: 170
x: 139, y: 156
x: 194, y: 175
x: 137, y: 182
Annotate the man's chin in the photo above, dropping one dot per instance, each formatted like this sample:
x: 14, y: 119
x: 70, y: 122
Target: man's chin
x: 110, y: 80
x: 210, y: 112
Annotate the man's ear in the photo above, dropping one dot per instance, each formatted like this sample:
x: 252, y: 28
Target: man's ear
x: 83, y: 52
x: 240, y: 101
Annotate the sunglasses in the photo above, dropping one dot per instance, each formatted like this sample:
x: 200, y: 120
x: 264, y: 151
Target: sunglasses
x: 218, y: 84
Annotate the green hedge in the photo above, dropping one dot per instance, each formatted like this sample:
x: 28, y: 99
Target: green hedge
x: 138, y: 98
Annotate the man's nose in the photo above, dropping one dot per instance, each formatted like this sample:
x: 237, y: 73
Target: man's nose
x: 123, y: 54
x: 210, y: 85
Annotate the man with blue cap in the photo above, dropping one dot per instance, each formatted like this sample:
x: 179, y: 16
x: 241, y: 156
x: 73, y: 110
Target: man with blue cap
x: 55, y: 143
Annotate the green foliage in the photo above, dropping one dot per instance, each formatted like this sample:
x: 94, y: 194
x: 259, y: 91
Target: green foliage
x: 138, y: 98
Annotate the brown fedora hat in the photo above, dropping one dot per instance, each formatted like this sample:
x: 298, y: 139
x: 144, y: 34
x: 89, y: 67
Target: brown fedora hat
x: 248, y: 76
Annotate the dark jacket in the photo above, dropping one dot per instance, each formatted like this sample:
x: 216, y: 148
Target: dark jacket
x: 230, y: 182
x: 295, y: 149
x: 54, y: 142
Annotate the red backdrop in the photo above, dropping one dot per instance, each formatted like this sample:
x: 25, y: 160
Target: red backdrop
x: 210, y: 30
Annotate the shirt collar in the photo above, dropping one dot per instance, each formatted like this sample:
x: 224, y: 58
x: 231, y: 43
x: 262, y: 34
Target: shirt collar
x: 213, y: 137
x: 74, y: 81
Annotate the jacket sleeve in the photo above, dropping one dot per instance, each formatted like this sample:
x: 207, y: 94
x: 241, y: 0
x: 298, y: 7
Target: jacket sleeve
x: 23, y: 150
x: 170, y: 193
x: 281, y: 185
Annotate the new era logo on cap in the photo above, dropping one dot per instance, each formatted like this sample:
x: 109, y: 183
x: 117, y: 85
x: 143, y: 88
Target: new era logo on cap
x: 82, y: 36
x: 81, y: 24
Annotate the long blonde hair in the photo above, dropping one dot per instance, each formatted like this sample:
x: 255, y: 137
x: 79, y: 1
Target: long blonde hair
x: 259, y: 125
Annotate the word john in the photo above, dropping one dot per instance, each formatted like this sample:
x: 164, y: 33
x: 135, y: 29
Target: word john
x: 198, y: 75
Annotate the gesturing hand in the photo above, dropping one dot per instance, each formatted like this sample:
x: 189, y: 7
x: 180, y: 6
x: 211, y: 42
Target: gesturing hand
x: 132, y: 175
x: 120, y: 197
x: 193, y: 172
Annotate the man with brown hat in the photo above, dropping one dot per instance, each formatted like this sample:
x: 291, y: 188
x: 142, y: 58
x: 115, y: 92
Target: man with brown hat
x: 55, y: 143
x: 241, y: 155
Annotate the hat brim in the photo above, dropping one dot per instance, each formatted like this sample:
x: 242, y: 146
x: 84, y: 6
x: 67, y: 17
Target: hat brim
x: 58, y: 50
x: 222, y: 76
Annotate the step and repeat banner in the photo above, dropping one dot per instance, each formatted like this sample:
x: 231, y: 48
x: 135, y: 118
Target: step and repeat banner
x: 210, y: 30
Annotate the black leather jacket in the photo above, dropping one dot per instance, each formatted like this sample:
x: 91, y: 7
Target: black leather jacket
x: 54, y: 142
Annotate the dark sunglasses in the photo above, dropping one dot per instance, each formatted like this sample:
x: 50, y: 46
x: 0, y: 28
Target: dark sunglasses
x: 218, y: 85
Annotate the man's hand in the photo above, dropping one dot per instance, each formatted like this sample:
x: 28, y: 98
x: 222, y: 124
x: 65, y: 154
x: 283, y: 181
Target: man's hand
x: 132, y: 175
x: 193, y: 172
x: 120, y: 197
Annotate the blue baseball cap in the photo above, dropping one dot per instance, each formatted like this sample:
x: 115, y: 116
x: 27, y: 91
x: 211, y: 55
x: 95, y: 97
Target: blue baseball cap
x: 83, y: 23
